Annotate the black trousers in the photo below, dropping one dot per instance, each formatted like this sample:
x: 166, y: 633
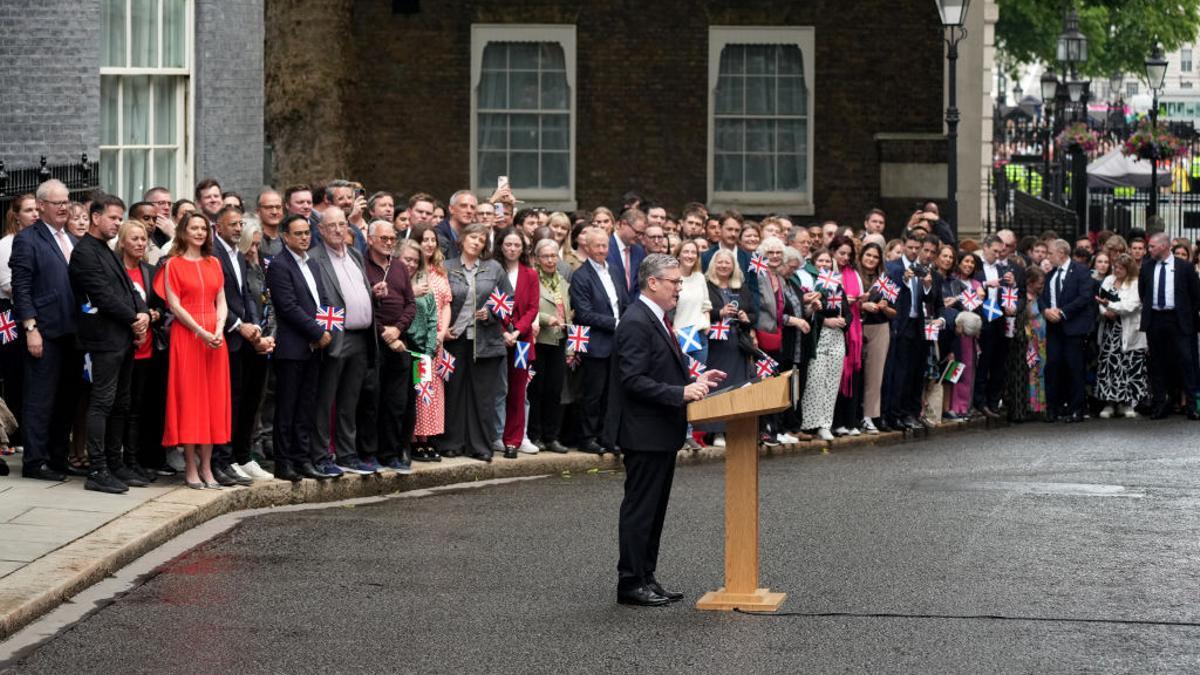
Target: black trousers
x: 52, y: 386
x: 395, y: 406
x: 989, y: 369
x: 254, y: 380
x: 135, y: 421
x: 648, y: 477
x: 471, y: 395
x: 223, y: 455
x: 1172, y: 358
x: 295, y: 408
x: 108, y: 406
x: 147, y: 399
x: 903, y: 383
x: 1064, y: 372
x: 848, y: 411
x: 595, y: 398
x: 545, y: 393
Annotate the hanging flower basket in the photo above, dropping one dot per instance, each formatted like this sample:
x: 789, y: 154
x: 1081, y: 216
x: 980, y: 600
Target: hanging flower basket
x: 1153, y: 143
x: 1079, y: 135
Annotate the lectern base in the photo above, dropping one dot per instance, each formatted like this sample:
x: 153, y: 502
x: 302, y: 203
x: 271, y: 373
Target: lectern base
x: 761, y: 600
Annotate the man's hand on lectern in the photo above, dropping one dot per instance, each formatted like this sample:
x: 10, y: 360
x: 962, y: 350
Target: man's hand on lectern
x: 694, y: 391
x: 712, y: 378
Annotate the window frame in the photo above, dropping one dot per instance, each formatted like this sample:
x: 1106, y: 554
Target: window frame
x: 184, y: 100
x: 803, y: 37
x: 564, y: 36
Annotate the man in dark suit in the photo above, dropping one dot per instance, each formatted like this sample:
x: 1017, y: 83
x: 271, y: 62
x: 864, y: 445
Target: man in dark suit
x: 650, y: 392
x: 598, y: 298
x: 1069, y: 304
x: 625, y: 251
x: 241, y: 334
x: 1170, y: 293
x: 994, y: 273
x: 918, y: 302
x: 113, y: 317
x: 295, y: 286
x: 45, y: 307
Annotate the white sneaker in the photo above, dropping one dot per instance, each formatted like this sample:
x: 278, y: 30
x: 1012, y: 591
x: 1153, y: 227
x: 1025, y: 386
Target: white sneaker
x: 869, y: 426
x: 528, y: 447
x: 175, y: 459
x: 719, y: 441
x: 841, y: 431
x: 788, y: 439
x: 823, y: 434
x: 854, y: 432
x: 1107, y: 412
x: 254, y: 471
x: 238, y: 473
x: 1129, y: 411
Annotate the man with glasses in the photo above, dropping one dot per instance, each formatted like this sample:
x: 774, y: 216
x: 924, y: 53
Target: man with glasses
x: 45, y: 306
x: 625, y: 251
x: 164, y: 228
x: 270, y: 214
x: 655, y: 239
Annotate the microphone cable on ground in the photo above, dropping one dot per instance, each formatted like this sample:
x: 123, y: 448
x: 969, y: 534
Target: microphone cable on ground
x: 972, y: 617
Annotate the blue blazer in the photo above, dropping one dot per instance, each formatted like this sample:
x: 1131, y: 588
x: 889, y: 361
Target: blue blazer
x: 295, y: 312
x: 1077, y: 300
x: 592, y: 308
x: 41, y: 283
x: 615, y: 261
x: 237, y: 299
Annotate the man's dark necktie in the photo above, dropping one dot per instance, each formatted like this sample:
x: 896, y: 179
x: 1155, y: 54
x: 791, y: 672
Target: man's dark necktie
x: 671, y: 332
x: 1161, y: 300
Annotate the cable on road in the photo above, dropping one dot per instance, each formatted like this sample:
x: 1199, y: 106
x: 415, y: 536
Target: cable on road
x: 973, y: 617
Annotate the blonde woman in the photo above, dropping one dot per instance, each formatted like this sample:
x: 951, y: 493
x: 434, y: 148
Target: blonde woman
x: 1121, y: 370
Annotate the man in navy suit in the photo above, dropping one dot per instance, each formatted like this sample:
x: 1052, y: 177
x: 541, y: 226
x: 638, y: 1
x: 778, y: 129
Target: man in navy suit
x: 918, y: 301
x: 241, y: 334
x: 598, y: 298
x: 625, y: 251
x: 295, y: 286
x: 45, y: 306
x: 650, y: 391
x: 1170, y: 293
x: 1069, y: 304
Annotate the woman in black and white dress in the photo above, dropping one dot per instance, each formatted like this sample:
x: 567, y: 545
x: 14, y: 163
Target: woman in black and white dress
x: 825, y: 367
x: 1121, y: 371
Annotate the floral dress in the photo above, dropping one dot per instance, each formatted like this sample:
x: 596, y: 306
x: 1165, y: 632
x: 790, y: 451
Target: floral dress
x: 1035, y: 332
x: 431, y: 416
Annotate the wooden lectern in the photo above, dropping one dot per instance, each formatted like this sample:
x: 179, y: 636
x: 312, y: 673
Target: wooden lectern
x: 740, y: 409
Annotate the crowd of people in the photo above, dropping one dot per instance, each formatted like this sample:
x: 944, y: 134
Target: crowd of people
x: 322, y: 330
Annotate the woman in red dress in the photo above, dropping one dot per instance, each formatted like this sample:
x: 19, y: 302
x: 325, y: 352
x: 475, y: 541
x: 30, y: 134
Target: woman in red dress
x: 198, y: 412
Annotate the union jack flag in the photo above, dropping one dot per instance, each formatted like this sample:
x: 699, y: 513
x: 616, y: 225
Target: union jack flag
x: 425, y: 391
x: 1008, y: 297
x: 1031, y: 356
x: 834, y: 301
x: 719, y: 331
x: 445, y: 365
x: 331, y: 319
x: 695, y: 368
x: 578, y: 338
x: 888, y: 290
x: 829, y: 279
x: 970, y: 300
x: 500, y: 304
x: 765, y: 366
x: 521, y: 355
x: 931, y: 331
x: 758, y: 264
x: 8, y: 327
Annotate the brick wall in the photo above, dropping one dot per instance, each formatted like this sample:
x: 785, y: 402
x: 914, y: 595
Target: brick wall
x: 641, y: 96
x: 228, y: 90
x: 49, y: 76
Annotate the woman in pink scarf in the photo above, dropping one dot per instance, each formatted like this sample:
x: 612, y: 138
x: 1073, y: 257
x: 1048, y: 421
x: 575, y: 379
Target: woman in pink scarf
x: 848, y: 413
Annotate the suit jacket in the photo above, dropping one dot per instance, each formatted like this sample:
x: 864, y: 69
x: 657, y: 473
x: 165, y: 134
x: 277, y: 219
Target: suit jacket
x: 592, y: 308
x: 41, y: 283
x: 928, y: 305
x: 615, y: 260
x: 1187, y: 293
x: 447, y: 240
x: 99, y: 278
x: 1077, y: 300
x: 296, y: 325
x: 237, y: 297
x: 646, y: 410
x: 333, y: 291
x: 525, y: 305
x: 158, y: 329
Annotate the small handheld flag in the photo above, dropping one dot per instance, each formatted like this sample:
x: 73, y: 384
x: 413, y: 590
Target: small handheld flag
x: 765, y: 366
x: 8, y: 327
x: 954, y: 371
x: 500, y: 304
x: 89, y: 308
x: 578, y: 338
x: 425, y: 392
x: 970, y: 300
x: 889, y: 290
x: 758, y: 264
x: 422, y: 368
x: 991, y: 311
x: 331, y: 319
x: 829, y: 279
x: 521, y: 355
x: 834, y: 301
x: 719, y: 331
x: 931, y: 331
x: 1031, y: 356
x: 445, y: 365
x: 689, y: 339
x: 532, y: 372
x: 1008, y: 297
x: 1010, y: 326
x: 695, y: 368
x: 87, y: 367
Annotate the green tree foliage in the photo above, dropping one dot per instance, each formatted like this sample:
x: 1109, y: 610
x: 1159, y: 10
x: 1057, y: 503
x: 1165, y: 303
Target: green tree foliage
x: 1120, y: 33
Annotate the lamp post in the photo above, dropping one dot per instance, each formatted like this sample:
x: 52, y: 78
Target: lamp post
x: 953, y: 14
x: 1049, y: 84
x: 1156, y: 74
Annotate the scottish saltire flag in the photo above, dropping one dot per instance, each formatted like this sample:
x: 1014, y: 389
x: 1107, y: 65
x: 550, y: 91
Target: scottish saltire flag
x: 422, y: 368
x: 889, y: 290
x: 829, y: 279
x: 970, y: 300
x: 331, y: 319
x: 695, y: 368
x: 758, y: 264
x: 445, y: 365
x: 500, y: 304
x: 425, y: 392
x: 87, y: 367
x: 931, y: 331
x: 765, y: 366
x: 1008, y: 297
x: 991, y: 310
x: 689, y: 339
x: 719, y: 331
x: 8, y: 327
x: 521, y: 355
x: 578, y: 338
x: 88, y: 308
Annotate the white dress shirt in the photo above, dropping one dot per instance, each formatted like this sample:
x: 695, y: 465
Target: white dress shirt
x: 609, y: 288
x: 309, y: 279
x: 1158, y: 271
x: 991, y: 272
x: 1058, y: 277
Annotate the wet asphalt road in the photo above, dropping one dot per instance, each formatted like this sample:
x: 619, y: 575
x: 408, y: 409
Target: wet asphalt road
x: 1093, y: 526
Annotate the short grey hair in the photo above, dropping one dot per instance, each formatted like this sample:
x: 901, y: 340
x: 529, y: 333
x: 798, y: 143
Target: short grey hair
x: 43, y: 190
x: 792, y: 255
x: 770, y: 244
x: 335, y: 185
x: 1062, y: 246
x: 459, y: 195
x: 543, y: 243
x: 992, y: 239
x: 653, y: 266
x: 1159, y: 237
x: 375, y: 226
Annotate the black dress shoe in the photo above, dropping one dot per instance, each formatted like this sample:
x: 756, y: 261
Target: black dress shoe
x: 673, y: 596
x: 990, y: 412
x: 485, y: 456
x: 1193, y: 415
x: 286, y: 472
x: 555, y: 446
x: 450, y: 453
x: 510, y: 452
x: 642, y: 596
x: 592, y: 447
x: 883, y: 425
x: 68, y: 470
x: 129, y: 477
x: 42, y: 472
x: 909, y: 423
x: 1160, y: 413
x: 3, y: 468
x: 223, y: 478
x: 104, y: 481
x: 307, y: 470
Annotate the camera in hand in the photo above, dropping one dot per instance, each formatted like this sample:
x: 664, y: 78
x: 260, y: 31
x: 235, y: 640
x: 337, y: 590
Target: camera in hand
x: 919, y: 269
x: 1109, y: 294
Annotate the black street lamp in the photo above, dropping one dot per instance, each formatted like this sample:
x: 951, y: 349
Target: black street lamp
x: 1049, y: 83
x: 954, y: 15
x: 1156, y: 75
